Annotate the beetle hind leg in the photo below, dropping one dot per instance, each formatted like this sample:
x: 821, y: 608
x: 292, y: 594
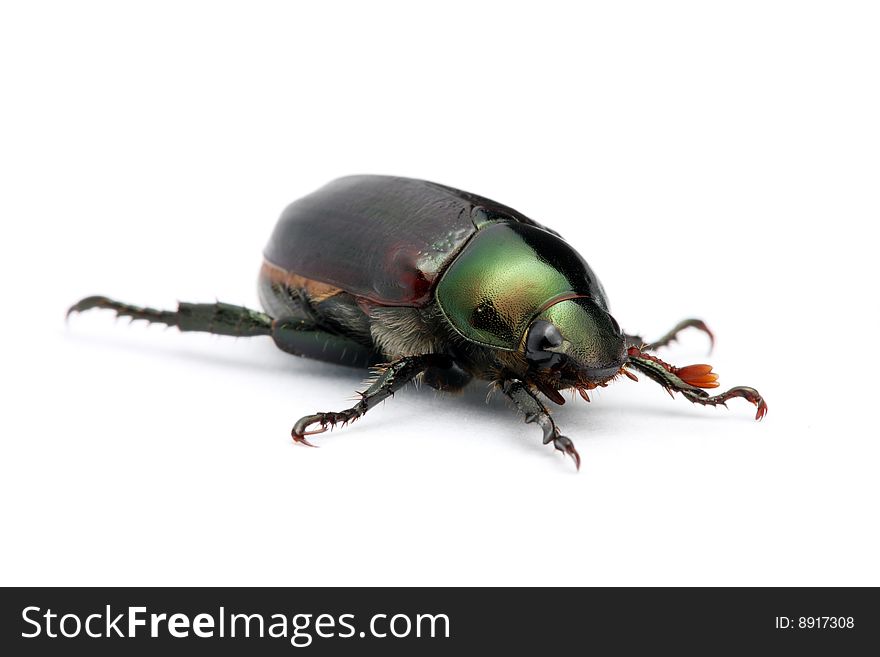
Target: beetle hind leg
x: 219, y: 318
x: 301, y: 336
x: 534, y: 411
x: 307, y: 338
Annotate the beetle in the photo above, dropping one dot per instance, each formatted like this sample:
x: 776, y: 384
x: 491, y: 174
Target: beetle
x: 420, y: 281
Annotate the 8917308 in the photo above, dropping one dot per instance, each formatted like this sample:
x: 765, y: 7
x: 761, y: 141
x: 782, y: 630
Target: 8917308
x: 815, y: 622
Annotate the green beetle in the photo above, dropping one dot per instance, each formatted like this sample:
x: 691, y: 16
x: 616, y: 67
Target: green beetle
x: 417, y: 279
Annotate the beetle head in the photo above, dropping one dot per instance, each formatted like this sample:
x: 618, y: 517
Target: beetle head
x: 576, y: 343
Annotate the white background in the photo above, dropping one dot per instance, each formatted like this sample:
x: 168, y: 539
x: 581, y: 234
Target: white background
x: 707, y: 160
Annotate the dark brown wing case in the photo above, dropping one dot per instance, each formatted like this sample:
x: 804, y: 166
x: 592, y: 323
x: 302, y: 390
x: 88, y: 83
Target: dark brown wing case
x: 381, y: 238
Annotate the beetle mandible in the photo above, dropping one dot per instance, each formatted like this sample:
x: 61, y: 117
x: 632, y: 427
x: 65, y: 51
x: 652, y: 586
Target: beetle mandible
x: 416, y: 279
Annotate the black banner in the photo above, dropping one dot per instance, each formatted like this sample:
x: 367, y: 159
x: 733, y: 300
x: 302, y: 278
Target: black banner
x: 435, y: 621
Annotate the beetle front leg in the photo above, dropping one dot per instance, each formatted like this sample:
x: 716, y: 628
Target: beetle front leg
x: 690, y: 380
x: 391, y: 378
x: 534, y: 411
x: 671, y: 335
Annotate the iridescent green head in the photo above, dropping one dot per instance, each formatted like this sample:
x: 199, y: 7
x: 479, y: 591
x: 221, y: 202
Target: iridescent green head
x: 577, y: 340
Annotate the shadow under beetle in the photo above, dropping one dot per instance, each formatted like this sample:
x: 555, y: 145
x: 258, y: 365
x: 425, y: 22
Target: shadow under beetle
x: 416, y: 279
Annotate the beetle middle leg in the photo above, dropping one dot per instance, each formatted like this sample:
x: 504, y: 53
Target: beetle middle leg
x: 690, y: 380
x: 671, y: 335
x: 534, y: 411
x: 447, y: 378
x: 391, y: 378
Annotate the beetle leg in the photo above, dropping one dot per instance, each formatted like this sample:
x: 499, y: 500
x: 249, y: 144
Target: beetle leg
x: 447, y: 379
x: 298, y: 336
x: 671, y: 335
x: 391, y: 378
x: 534, y: 411
x: 690, y: 380
x: 303, y: 337
x: 220, y: 318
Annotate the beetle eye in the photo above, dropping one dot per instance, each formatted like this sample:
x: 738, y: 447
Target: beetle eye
x: 543, y: 336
